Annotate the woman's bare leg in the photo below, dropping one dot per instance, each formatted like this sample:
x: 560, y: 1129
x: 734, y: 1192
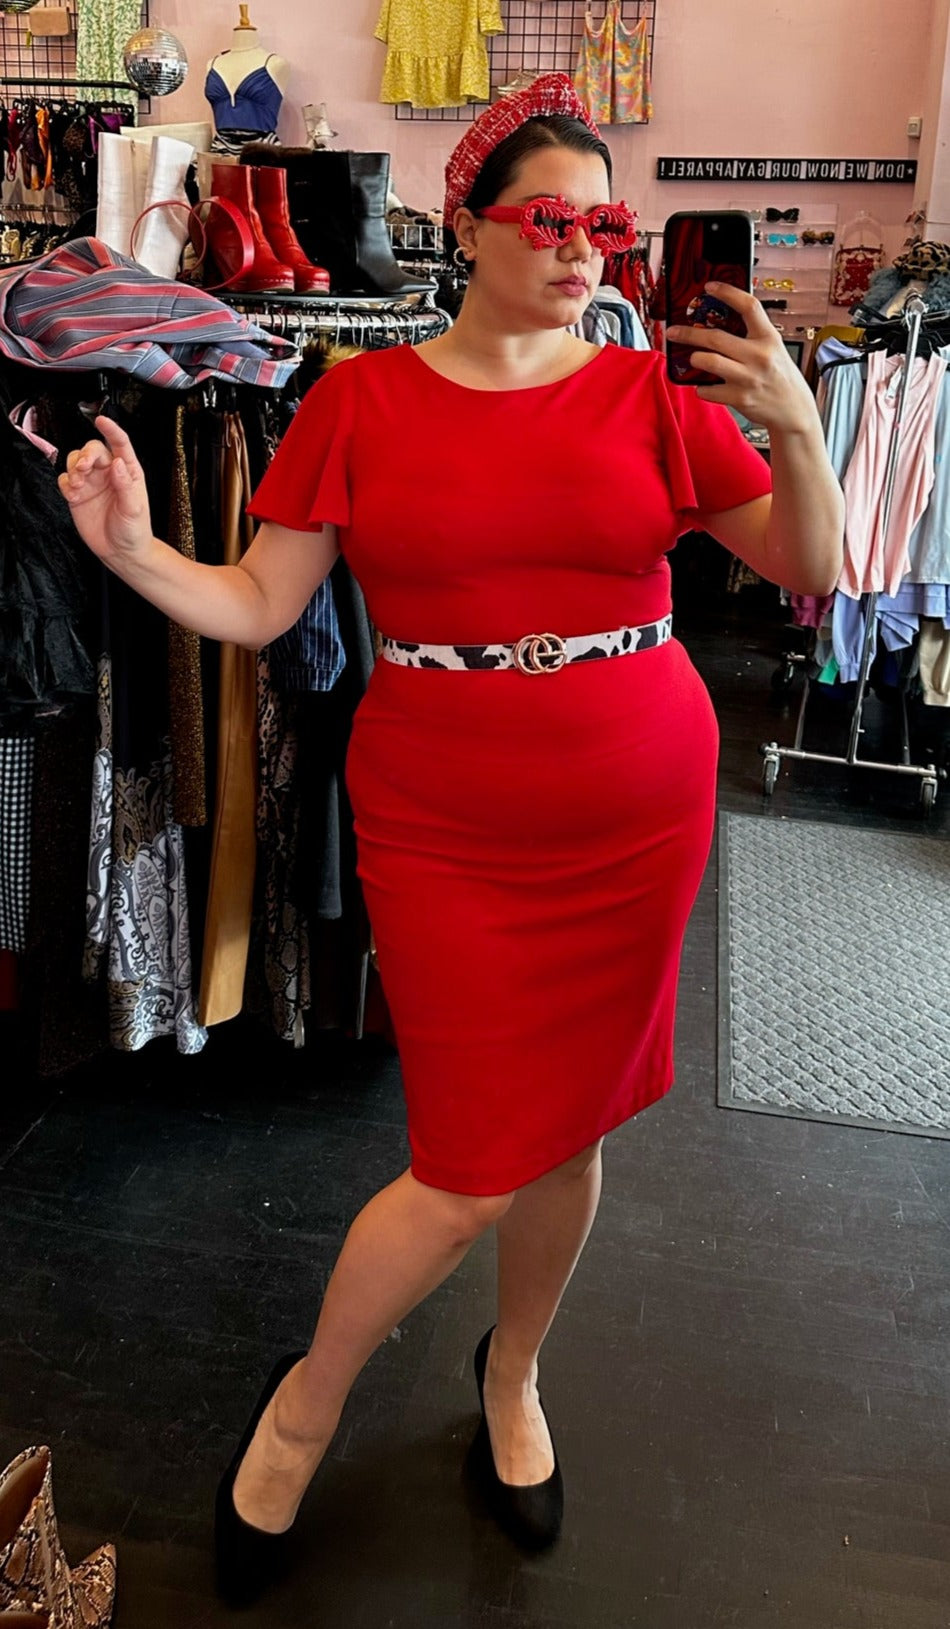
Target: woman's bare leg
x: 540, y: 1238
x: 400, y: 1247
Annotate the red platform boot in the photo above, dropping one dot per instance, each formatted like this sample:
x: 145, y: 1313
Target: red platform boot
x: 269, y: 186
x: 268, y: 274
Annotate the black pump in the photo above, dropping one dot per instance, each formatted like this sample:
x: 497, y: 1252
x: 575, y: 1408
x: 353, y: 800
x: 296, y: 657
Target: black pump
x: 337, y: 203
x: 247, y: 1558
x: 530, y: 1515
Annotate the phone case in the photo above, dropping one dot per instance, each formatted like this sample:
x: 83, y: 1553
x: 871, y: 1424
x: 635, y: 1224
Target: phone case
x: 701, y: 246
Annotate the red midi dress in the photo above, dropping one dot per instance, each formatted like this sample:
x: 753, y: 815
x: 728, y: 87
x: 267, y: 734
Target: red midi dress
x: 529, y: 846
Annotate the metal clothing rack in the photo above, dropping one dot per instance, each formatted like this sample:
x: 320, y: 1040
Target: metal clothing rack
x: 372, y: 322
x: 37, y: 81
x: 929, y: 776
x: 417, y: 237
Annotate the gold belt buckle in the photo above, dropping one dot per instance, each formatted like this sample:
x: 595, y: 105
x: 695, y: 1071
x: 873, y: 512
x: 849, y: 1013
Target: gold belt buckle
x: 539, y: 653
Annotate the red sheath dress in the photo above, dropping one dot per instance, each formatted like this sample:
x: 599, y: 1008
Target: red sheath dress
x: 530, y: 847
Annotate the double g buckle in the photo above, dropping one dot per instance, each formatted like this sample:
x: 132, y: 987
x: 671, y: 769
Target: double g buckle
x: 539, y: 653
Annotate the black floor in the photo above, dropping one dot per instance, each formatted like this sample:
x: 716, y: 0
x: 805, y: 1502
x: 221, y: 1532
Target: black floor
x: 748, y: 1380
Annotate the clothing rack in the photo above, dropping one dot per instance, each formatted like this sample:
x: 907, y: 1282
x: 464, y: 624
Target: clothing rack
x: 422, y: 266
x: 372, y: 322
x: 912, y: 317
x: 35, y: 81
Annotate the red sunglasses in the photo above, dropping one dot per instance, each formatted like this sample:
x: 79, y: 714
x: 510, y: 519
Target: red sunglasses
x: 547, y: 223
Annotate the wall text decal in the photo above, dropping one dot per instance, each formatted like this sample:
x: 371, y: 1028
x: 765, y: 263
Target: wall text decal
x: 900, y: 170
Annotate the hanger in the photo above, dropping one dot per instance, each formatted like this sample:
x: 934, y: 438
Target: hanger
x: 891, y: 335
x: 868, y: 226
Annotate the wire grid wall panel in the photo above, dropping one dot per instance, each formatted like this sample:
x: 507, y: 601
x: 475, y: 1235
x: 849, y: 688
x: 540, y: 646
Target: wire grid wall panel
x: 44, y: 63
x: 541, y: 36
x: 416, y: 237
x: 27, y: 56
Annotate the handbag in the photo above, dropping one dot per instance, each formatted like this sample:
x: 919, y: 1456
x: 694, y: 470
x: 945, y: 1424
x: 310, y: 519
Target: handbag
x: 855, y: 264
x: 233, y: 246
x: 50, y: 22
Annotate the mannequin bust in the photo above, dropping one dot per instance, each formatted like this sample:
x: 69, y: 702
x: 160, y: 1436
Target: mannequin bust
x: 245, y: 87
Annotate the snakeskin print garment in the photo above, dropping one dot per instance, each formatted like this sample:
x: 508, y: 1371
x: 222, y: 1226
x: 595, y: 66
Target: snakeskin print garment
x: 34, y: 1573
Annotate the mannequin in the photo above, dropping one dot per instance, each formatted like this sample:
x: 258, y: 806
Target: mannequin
x: 245, y: 87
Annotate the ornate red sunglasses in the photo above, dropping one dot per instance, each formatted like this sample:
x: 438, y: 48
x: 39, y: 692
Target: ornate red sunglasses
x: 547, y: 223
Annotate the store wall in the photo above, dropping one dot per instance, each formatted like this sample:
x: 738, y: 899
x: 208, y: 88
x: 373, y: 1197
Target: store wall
x: 802, y: 78
x: 933, y: 181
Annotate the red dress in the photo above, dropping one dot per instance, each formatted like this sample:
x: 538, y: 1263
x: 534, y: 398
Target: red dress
x: 530, y: 847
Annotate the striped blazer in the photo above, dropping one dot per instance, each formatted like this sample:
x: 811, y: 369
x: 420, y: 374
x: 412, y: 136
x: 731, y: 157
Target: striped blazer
x: 82, y: 307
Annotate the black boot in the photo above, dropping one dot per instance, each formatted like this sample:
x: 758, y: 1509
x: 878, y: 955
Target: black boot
x: 338, y: 212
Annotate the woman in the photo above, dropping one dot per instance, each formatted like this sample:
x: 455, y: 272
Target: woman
x: 533, y: 767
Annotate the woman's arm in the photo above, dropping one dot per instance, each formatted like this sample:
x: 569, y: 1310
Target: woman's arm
x: 248, y: 604
x: 794, y: 538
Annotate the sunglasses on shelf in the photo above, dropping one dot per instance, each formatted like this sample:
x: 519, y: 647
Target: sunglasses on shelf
x: 787, y: 239
x: 810, y: 235
x: 790, y: 215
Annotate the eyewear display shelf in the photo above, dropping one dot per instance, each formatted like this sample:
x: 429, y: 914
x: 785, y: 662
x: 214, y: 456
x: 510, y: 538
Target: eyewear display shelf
x: 793, y: 265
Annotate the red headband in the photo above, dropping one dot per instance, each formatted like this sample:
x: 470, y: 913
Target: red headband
x: 550, y: 93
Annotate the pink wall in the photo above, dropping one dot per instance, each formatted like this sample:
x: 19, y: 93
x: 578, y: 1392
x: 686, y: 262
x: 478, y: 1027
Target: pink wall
x: 808, y: 78
x: 933, y: 182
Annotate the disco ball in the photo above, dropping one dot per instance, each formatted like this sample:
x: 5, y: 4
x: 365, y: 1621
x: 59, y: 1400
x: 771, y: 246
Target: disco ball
x: 155, y: 61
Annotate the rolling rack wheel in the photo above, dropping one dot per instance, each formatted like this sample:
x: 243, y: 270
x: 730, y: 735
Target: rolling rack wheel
x: 928, y: 795
x: 791, y: 663
x: 769, y: 769
x: 784, y: 676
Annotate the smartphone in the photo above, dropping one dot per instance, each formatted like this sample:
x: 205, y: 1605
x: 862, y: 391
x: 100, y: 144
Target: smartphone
x: 702, y: 246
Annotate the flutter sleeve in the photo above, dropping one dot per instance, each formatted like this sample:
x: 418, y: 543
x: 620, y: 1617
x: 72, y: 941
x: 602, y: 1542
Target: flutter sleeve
x: 709, y: 464
x: 489, y: 17
x: 306, y: 482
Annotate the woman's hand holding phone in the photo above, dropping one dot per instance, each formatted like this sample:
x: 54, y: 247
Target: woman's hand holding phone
x: 758, y: 376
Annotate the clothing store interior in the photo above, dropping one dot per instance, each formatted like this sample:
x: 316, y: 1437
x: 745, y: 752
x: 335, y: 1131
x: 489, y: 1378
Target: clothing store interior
x: 207, y: 213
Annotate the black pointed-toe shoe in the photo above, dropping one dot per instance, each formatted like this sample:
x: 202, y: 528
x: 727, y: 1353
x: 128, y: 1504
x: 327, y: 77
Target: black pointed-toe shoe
x: 248, y: 1558
x: 531, y: 1514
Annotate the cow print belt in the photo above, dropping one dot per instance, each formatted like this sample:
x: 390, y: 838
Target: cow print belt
x: 535, y: 653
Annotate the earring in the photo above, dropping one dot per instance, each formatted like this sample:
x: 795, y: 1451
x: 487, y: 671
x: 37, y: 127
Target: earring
x: 459, y: 257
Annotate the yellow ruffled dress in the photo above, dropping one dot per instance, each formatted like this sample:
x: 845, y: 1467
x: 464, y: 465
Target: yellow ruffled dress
x: 437, y: 55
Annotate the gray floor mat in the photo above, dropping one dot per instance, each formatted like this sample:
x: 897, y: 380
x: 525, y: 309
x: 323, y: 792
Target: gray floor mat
x: 834, y: 973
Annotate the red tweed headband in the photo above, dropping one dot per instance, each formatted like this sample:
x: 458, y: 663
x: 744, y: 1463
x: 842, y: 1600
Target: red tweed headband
x: 549, y: 93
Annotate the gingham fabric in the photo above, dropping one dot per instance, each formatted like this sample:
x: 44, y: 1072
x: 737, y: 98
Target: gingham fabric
x: 83, y: 307
x: 16, y: 803
x: 549, y: 94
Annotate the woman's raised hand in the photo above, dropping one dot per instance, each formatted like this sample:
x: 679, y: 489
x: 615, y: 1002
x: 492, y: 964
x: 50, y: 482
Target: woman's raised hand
x: 105, y: 488
x: 758, y: 376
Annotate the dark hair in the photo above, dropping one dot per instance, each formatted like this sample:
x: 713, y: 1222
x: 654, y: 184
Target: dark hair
x: 504, y: 161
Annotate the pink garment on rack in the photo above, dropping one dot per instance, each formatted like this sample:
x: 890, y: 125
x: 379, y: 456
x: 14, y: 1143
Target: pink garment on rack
x: 26, y: 424
x: 810, y: 610
x: 874, y: 564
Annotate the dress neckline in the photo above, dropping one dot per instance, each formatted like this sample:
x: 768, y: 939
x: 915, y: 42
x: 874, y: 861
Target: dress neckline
x: 233, y: 95
x: 514, y: 390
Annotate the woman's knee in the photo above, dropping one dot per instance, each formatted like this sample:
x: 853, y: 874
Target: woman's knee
x: 468, y: 1216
